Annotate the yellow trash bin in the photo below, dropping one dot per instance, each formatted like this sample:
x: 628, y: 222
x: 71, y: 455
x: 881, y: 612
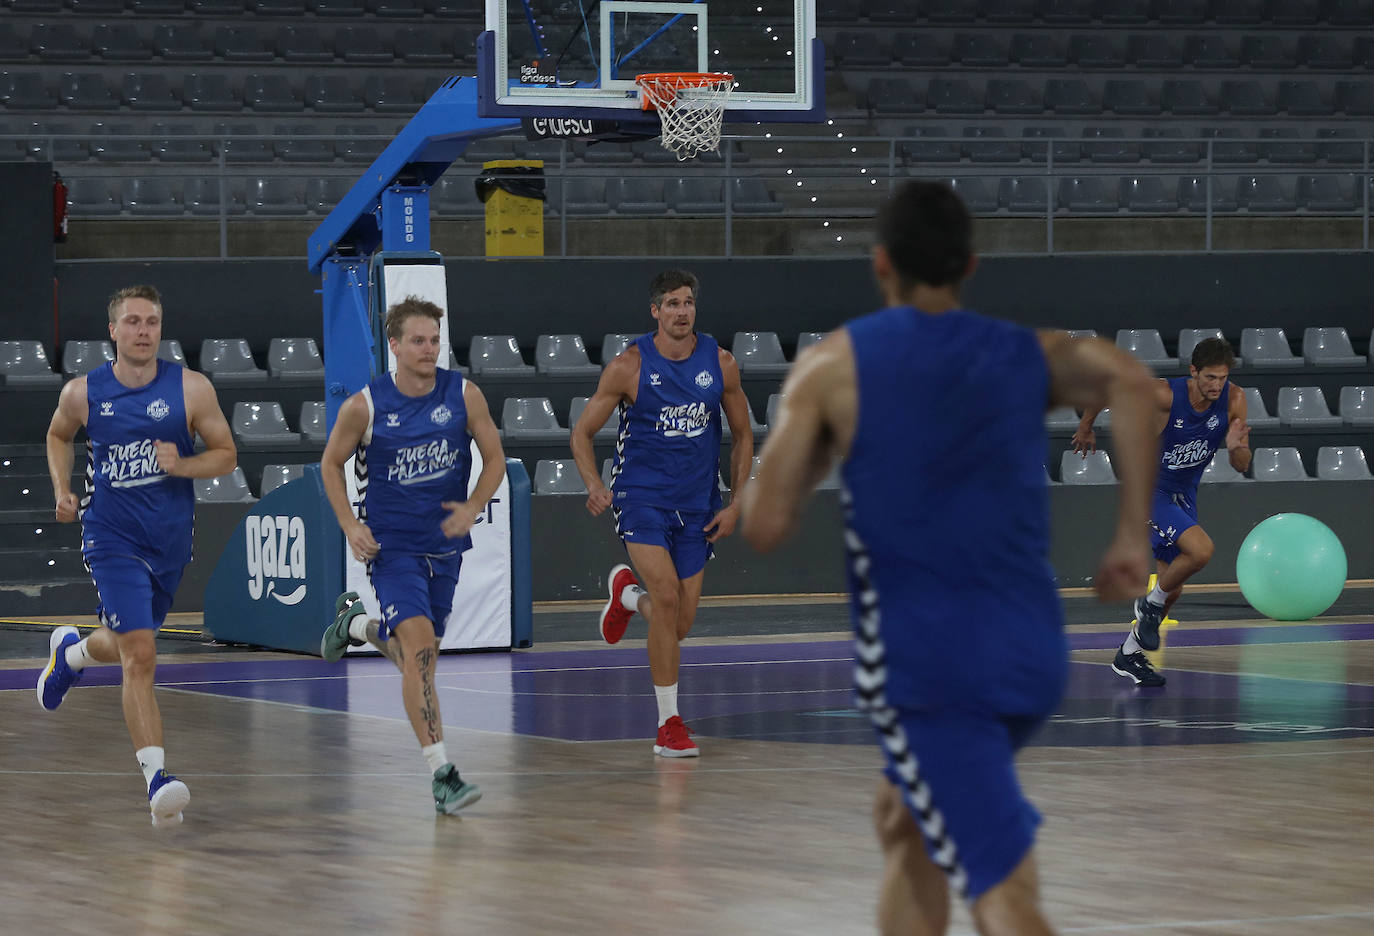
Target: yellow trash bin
x: 513, y: 191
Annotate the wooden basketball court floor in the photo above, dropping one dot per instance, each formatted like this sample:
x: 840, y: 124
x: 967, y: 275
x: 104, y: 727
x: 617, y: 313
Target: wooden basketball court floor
x: 1239, y: 799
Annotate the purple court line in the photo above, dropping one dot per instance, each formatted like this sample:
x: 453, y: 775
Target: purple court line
x: 230, y: 671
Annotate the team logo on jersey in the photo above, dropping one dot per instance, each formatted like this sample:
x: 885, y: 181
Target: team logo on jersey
x: 704, y: 379
x: 440, y: 415
x: 1213, y: 421
x: 1178, y: 424
x: 107, y: 409
x: 158, y: 409
x: 689, y: 419
x: 1188, y: 455
x: 392, y: 420
x: 390, y: 612
x: 655, y: 380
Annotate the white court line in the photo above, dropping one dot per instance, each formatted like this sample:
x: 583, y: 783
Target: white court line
x: 1176, y: 924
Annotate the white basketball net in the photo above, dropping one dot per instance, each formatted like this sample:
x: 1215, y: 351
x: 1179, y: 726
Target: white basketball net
x: 690, y: 107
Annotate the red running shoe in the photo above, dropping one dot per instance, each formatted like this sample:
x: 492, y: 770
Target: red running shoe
x: 675, y: 740
x: 615, y: 617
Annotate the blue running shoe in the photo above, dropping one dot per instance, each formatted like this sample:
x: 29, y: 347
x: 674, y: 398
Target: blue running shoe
x: 57, y: 677
x: 167, y: 797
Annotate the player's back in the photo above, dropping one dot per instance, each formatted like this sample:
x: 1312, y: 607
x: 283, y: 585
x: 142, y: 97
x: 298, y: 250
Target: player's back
x: 949, y: 500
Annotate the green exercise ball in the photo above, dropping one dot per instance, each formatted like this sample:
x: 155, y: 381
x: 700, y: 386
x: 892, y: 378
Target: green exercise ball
x: 1291, y: 567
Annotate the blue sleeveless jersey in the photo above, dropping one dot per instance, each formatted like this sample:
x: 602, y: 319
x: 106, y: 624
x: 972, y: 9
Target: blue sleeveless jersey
x: 132, y: 507
x: 668, y: 451
x: 416, y: 455
x: 1190, y: 438
x: 949, y: 513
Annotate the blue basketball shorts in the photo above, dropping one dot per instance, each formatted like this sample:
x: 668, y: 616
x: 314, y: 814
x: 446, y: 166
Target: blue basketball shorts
x: 410, y: 585
x: 681, y: 532
x: 1171, y: 513
x: 957, y: 773
x: 133, y: 596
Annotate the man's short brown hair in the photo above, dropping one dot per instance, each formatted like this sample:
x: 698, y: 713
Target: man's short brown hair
x: 133, y: 292
x: 409, y: 307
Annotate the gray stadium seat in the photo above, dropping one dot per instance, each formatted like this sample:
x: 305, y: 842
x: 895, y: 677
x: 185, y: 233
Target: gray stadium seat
x: 294, y: 357
x: 695, y: 195
x: 351, y: 144
x: 1130, y: 97
x: 636, y: 196
x: 277, y: 7
x: 1350, y: 152
x: 557, y: 476
x: 1295, y: 12
x: 1037, y: 50
x: 580, y: 196
x: 274, y: 476
x: 339, y: 8
x: 981, y: 49
x: 1103, y: 419
x: 1350, y: 13
x: 290, y: 147
x: 177, y: 143
x: 1155, y: 50
x: 389, y: 94
x: 1277, y: 464
x: 989, y: 144
x: 210, y: 92
x: 263, y: 425
x: 1342, y: 463
x: 977, y: 197
x: 1219, y: 470
x: 1124, y: 12
x: 608, y: 153
x: 953, y: 96
x: 1096, y: 468
x: 1023, y: 195
x: 25, y: 364
x: 932, y: 145
x: 530, y: 419
x: 150, y: 198
x: 898, y: 96
x: 201, y: 196
x: 101, y: 8
x: 937, y: 11
x: 321, y: 195
x: 455, y: 196
x: 860, y: 50
x: 313, y: 418
x: 497, y: 355
x: 563, y: 355
x: 1146, y: 345
x: 271, y: 94
x: 59, y: 42
x: 1068, y: 12
x: 1327, y: 194
x: 226, y: 489
x: 158, y: 7
x: 1246, y: 98
x: 759, y: 354
x: 751, y: 196
x: 1062, y: 418
x: 606, y: 471
x: 1065, y: 151
x: 1268, y: 52
x: 1304, y: 99
x: 920, y: 50
x: 612, y: 345
x: 1211, y: 50
x: 1181, y: 12
x: 178, y: 44
x: 242, y: 44
x: 1193, y: 194
x: 362, y: 45
x: 755, y: 427
x: 169, y: 349
x: 1267, y: 347
x: 1305, y: 407
x: 605, y: 434
x: 1256, y: 413
x: 1105, y: 144
x: 1082, y: 332
x: 150, y: 92
x: 331, y: 94
x: 1187, y: 97
x: 1326, y: 51
x: 1008, y: 11
x: 80, y: 357
x: 1330, y: 347
x: 1188, y: 339
x: 1071, y: 96
x: 1146, y: 195
x: 1097, y: 50
x: 228, y: 359
x: 419, y: 45
x: 274, y: 196
x: 771, y: 410
x: 1087, y: 194
x: 1266, y: 193
x: 1167, y: 145
x: 1226, y: 148
x: 88, y: 91
x: 90, y: 198
x: 1290, y: 145
x: 1355, y: 98
x: 1357, y: 406
x: 807, y: 339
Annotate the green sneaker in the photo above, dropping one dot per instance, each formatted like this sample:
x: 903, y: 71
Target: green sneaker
x: 336, y: 641
x: 451, y: 793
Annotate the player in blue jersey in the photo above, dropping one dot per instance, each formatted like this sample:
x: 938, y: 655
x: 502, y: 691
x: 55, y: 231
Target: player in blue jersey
x: 1196, y: 415
x: 937, y: 414
x: 141, y: 416
x: 412, y: 433
x: 670, y: 386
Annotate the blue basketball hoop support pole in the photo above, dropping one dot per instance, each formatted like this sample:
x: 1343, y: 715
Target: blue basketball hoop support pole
x: 386, y: 209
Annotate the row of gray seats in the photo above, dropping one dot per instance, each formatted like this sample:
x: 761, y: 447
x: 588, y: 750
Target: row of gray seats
x: 1168, y: 145
x: 155, y: 92
x: 1322, y: 346
x: 1298, y: 408
x: 222, y: 359
x: 124, y: 142
x: 442, y: 9
x: 1334, y: 463
x: 183, y: 42
x: 1106, y: 12
x: 233, y: 487
x: 1098, y: 49
x: 1154, y: 194
x: 1186, y: 97
x: 91, y: 196
x: 758, y: 353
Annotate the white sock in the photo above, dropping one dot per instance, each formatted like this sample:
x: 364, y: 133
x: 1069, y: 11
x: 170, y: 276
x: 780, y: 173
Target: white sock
x: 150, y: 761
x: 436, y: 756
x: 1131, y: 645
x: 1157, y: 597
x: 357, y: 628
x: 78, y: 656
x: 629, y: 596
x: 667, y: 702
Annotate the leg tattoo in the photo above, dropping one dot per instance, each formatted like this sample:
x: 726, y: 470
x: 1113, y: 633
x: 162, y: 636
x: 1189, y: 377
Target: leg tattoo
x: 424, y: 659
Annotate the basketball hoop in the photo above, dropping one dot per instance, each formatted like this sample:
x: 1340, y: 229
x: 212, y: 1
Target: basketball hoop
x: 690, y: 106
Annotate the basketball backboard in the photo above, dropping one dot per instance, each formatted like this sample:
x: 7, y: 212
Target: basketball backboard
x: 579, y: 58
